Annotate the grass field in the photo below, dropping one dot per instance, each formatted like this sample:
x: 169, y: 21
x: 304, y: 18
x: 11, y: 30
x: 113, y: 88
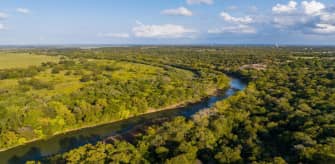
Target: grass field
x: 66, y: 84
x: 23, y: 60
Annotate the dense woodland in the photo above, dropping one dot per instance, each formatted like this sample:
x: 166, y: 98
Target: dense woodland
x: 285, y: 115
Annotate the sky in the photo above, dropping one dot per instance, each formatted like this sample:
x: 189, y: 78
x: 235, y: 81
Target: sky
x: 44, y: 22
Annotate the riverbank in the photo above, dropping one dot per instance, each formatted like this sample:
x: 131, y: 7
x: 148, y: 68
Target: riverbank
x: 65, y: 141
x: 211, y: 92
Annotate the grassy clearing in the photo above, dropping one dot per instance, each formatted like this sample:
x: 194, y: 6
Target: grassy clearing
x: 9, y: 83
x: 63, y: 84
x: 67, y: 84
x: 23, y: 60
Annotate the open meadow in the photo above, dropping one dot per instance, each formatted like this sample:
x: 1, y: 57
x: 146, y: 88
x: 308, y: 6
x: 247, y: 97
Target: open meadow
x: 23, y: 60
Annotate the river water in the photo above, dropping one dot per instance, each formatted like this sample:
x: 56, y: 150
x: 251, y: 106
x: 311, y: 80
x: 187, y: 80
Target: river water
x: 61, y: 143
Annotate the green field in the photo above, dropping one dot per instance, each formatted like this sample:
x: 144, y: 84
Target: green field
x: 23, y: 60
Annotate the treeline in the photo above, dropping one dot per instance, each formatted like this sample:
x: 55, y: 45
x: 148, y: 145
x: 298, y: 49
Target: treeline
x: 20, y: 72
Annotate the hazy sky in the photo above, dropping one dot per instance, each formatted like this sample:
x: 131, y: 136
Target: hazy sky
x: 167, y: 22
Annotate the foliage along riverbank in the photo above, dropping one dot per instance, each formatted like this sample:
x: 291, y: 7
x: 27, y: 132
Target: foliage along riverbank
x: 77, y: 92
x: 170, y: 107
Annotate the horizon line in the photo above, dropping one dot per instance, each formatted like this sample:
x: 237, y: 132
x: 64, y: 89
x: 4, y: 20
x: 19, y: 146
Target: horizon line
x: 101, y: 45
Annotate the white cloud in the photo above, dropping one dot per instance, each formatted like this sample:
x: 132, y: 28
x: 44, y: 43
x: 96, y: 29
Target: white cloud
x: 310, y: 17
x: 3, y: 15
x: 114, y: 35
x: 161, y: 31
x: 328, y: 17
x: 289, y: 8
x: 23, y: 10
x: 191, y: 2
x: 237, y: 29
x: 2, y: 27
x: 312, y: 7
x: 236, y: 25
x: 289, y: 16
x: 240, y: 20
x: 324, y: 29
x: 182, y: 11
x: 286, y: 21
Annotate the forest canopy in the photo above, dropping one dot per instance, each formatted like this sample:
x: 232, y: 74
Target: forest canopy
x: 285, y: 115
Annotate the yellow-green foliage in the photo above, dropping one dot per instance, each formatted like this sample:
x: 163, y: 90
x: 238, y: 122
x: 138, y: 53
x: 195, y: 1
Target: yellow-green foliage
x: 23, y: 60
x: 8, y: 83
x: 76, y: 92
x: 141, y: 71
x: 62, y: 84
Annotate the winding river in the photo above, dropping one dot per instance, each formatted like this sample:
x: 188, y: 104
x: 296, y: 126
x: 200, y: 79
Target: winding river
x: 63, y: 142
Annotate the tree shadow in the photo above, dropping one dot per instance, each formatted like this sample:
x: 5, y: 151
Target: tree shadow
x: 69, y: 143
x: 206, y: 155
x: 33, y: 154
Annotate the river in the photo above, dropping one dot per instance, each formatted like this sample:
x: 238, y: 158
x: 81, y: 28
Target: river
x: 63, y: 142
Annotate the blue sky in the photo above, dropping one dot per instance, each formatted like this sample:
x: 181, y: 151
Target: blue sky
x: 167, y: 22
